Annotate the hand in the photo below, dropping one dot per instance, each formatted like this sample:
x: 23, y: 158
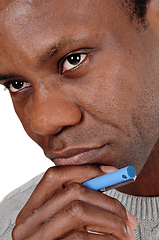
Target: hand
x: 61, y: 208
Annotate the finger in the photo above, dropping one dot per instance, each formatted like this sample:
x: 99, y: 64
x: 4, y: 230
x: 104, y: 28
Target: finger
x: 72, y: 192
x: 88, y: 236
x: 132, y: 223
x: 108, y: 169
x: 54, y: 180
x: 79, y: 214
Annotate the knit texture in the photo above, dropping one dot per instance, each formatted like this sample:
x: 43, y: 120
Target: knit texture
x: 145, y: 209
x: 11, y: 206
x: 146, y: 212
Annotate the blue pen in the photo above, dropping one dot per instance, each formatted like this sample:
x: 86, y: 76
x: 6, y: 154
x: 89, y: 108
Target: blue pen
x: 112, y: 180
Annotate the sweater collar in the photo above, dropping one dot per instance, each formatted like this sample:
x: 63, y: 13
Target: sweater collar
x: 145, y: 208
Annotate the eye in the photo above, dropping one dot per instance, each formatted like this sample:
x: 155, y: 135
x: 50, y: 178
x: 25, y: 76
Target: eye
x: 16, y: 86
x: 72, y: 61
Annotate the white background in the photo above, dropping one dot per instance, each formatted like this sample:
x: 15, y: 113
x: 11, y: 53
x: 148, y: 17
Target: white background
x: 20, y: 158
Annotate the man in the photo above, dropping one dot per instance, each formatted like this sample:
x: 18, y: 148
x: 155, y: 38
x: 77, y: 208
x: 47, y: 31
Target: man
x: 83, y: 77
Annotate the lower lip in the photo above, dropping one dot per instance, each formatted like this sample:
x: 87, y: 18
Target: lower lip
x: 81, y: 158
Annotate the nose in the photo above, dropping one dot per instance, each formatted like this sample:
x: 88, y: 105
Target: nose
x: 52, y: 112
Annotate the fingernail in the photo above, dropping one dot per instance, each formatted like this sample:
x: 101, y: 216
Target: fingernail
x: 108, y: 169
x: 132, y: 220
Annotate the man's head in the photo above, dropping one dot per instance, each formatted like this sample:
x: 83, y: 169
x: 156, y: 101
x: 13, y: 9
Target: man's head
x: 83, y: 78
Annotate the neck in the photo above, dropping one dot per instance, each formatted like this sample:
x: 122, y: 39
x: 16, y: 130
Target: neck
x: 146, y: 183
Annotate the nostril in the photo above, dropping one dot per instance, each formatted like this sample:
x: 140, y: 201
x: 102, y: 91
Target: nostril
x: 58, y: 130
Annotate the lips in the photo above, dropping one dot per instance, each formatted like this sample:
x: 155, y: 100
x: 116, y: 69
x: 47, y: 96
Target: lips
x: 77, y: 156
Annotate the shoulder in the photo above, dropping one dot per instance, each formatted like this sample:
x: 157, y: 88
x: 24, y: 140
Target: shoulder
x: 12, y: 204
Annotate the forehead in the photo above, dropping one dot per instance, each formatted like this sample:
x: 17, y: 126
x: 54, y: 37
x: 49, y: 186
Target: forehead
x: 38, y: 16
x: 27, y: 26
x: 37, y: 7
x: 35, y: 16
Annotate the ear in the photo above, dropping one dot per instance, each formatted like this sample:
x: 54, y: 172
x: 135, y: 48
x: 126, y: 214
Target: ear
x: 153, y: 16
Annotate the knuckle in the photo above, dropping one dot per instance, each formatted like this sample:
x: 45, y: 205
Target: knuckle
x: 119, y: 208
x: 15, y: 233
x: 19, y: 231
x: 50, y: 173
x: 74, y: 189
x: 122, y: 227
x: 117, y: 204
x: 75, y: 209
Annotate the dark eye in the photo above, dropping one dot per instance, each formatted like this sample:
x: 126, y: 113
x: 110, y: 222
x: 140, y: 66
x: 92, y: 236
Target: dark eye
x: 72, y: 61
x: 16, y: 86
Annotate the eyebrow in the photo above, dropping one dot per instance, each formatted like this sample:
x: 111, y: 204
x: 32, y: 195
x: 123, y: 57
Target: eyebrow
x: 50, y: 52
x: 9, y: 76
x: 54, y: 49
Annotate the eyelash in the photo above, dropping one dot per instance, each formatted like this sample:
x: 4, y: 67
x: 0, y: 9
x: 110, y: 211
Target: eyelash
x: 8, y: 85
x: 73, y: 57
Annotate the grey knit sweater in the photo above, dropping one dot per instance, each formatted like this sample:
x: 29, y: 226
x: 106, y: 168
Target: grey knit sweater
x: 145, y: 209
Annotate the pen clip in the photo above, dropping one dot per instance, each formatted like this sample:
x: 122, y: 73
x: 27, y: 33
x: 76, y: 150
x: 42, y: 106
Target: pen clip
x: 118, y: 185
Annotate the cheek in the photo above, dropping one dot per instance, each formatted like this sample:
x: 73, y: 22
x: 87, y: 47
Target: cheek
x: 116, y: 96
x: 106, y: 98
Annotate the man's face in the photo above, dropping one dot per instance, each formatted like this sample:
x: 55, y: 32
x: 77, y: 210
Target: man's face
x: 83, y: 79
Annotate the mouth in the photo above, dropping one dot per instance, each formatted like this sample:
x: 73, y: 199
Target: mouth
x: 78, y: 156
